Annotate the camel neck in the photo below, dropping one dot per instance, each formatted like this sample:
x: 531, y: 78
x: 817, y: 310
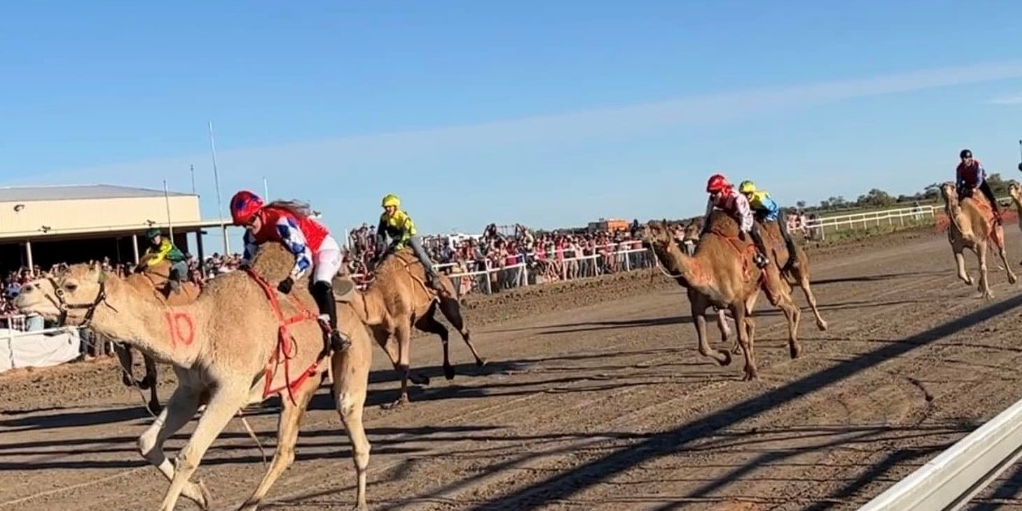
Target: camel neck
x: 168, y: 334
x: 689, y: 269
x: 369, y: 306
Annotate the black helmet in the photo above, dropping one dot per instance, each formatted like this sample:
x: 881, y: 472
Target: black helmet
x: 965, y: 154
x: 1020, y: 167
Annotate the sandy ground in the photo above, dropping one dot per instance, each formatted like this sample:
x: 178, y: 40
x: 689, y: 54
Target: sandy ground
x: 595, y: 398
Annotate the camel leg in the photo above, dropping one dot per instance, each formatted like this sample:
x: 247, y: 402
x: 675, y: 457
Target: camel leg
x: 288, y: 425
x: 699, y: 306
x: 391, y: 349
x: 451, y: 310
x: 152, y: 381
x: 125, y: 359
x: 807, y: 290
x: 792, y: 316
x: 352, y: 370
x: 180, y: 409
x: 960, y: 265
x: 403, y: 336
x: 429, y: 324
x: 222, y: 407
x: 984, y: 282
x: 738, y: 310
x: 1003, y: 254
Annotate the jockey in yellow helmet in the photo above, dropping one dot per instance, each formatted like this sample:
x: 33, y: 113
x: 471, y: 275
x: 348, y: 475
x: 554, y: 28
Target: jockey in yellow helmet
x: 766, y: 210
x: 398, y: 226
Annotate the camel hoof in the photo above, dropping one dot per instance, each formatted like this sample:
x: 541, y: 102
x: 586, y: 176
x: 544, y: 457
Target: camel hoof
x: 795, y: 350
x: 155, y: 407
x: 360, y: 507
x: 750, y: 375
x: 727, y: 358
x: 448, y: 372
x: 390, y: 406
x: 205, y: 495
x: 481, y: 362
x: 128, y: 382
x: 822, y: 325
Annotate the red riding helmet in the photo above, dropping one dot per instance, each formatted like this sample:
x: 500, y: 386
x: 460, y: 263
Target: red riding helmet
x: 244, y: 206
x: 717, y: 183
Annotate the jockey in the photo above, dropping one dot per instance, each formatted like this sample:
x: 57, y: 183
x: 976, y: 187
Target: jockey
x: 289, y: 223
x: 724, y: 196
x: 766, y: 210
x: 970, y: 175
x: 397, y: 225
x: 161, y: 249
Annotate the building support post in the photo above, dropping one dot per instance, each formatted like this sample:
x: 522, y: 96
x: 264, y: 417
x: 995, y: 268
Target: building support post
x: 28, y: 256
x: 134, y: 246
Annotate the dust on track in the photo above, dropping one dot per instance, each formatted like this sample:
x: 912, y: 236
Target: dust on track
x: 595, y: 397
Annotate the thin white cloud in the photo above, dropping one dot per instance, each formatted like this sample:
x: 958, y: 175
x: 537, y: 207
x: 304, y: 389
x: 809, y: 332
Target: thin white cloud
x: 1006, y: 100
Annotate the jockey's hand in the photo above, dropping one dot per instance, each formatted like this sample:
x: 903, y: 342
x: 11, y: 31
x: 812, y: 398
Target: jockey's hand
x: 285, y: 285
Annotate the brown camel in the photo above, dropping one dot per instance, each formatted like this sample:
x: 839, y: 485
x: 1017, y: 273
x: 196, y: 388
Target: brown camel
x: 398, y: 299
x: 972, y: 227
x: 229, y: 349
x: 797, y: 275
x: 691, y: 236
x: 722, y: 274
x: 154, y: 279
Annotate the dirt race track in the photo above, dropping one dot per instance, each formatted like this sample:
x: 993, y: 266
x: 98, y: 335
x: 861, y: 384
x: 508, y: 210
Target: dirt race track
x: 595, y: 398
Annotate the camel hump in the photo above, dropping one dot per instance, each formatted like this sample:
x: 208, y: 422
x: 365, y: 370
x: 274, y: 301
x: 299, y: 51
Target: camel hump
x: 344, y: 288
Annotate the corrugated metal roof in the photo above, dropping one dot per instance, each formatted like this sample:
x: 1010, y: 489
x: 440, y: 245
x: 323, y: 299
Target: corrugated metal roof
x: 76, y: 192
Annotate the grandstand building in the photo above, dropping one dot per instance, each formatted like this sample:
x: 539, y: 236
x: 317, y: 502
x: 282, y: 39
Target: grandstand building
x: 45, y: 225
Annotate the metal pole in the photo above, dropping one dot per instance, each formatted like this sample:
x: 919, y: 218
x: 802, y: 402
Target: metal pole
x: 216, y: 178
x: 266, y: 190
x: 192, y: 168
x: 170, y: 222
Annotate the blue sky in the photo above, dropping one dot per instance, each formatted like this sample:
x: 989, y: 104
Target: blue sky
x: 546, y: 113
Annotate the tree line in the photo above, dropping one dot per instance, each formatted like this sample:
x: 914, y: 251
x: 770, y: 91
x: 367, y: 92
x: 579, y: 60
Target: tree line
x: 877, y: 198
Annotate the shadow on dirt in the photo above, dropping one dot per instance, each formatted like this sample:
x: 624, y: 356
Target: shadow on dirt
x: 568, y: 483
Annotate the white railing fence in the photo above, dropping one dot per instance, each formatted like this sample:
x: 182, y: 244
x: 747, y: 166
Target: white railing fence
x: 818, y: 229
x: 532, y: 270
x: 949, y: 481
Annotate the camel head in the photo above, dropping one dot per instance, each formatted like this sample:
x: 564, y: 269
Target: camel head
x: 949, y: 193
x: 69, y: 297
x: 657, y: 235
x: 1015, y: 190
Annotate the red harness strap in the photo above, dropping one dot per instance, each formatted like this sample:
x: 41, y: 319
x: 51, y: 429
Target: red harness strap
x: 744, y: 254
x: 286, y: 345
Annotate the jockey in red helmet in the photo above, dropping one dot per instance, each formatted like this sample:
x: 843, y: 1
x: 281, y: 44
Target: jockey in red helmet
x: 725, y: 197
x: 290, y: 223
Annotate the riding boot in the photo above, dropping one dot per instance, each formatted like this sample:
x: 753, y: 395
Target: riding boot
x: 323, y: 293
x: 761, y: 260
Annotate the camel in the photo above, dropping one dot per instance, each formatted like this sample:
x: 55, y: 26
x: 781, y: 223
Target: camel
x: 796, y: 275
x: 721, y: 274
x: 155, y: 279
x: 238, y: 343
x: 972, y: 227
x: 398, y: 299
x: 1015, y: 191
x: 691, y: 236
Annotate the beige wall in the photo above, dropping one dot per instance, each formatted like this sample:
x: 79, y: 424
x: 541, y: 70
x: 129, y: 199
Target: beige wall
x: 69, y: 216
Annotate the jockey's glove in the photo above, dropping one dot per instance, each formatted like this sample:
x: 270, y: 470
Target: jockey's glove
x: 285, y: 285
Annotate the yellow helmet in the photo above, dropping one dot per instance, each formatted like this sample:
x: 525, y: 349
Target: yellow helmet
x: 747, y: 187
x: 391, y: 200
